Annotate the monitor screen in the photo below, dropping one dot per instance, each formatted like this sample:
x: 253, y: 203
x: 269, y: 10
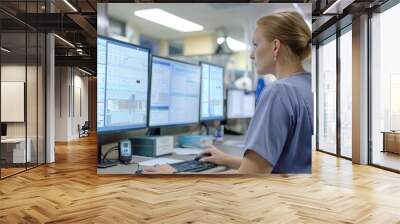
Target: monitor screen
x: 212, y: 92
x: 122, y: 85
x: 240, y: 104
x: 175, y: 92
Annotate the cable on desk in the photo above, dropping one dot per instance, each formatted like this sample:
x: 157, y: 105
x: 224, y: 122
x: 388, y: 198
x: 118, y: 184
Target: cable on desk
x: 108, y: 152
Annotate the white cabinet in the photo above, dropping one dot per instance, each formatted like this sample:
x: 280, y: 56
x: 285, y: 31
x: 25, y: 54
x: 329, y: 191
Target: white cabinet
x: 19, y: 154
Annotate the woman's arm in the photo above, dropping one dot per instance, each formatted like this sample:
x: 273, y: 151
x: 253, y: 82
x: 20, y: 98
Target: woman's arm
x: 218, y: 157
x: 251, y: 163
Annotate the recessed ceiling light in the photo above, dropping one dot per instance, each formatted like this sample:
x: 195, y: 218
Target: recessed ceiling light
x: 328, y: 10
x: 65, y: 41
x: 5, y: 50
x: 84, y: 71
x: 220, y: 40
x: 167, y: 19
x: 70, y: 5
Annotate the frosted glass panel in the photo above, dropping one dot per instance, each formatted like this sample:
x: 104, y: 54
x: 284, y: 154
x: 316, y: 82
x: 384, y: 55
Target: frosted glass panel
x: 327, y: 97
x: 346, y: 94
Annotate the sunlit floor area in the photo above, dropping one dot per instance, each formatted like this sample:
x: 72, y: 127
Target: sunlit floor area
x: 387, y: 159
x: 70, y: 191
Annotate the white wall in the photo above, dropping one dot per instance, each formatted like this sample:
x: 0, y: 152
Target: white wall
x: 79, y: 117
x: 71, y: 93
x: 61, y: 103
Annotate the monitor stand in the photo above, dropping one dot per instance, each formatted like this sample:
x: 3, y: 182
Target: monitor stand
x: 232, y: 132
x: 153, y: 132
x: 204, y: 124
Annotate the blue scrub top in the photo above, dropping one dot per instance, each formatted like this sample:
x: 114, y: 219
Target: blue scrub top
x: 282, y: 126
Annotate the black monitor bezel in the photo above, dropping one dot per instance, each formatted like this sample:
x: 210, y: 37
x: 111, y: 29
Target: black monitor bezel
x: 3, y: 129
x: 221, y: 118
x: 130, y: 128
x: 151, y: 75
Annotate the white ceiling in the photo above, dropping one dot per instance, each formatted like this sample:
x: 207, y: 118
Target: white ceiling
x: 232, y: 16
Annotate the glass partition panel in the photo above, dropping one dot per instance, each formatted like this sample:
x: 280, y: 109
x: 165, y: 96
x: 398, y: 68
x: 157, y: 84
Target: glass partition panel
x: 327, y: 96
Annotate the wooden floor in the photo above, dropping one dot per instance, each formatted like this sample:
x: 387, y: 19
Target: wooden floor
x: 70, y: 191
x: 10, y: 171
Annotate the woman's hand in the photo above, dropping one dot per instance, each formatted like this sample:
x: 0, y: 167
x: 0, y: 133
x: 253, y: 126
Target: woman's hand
x: 157, y: 169
x: 214, y: 155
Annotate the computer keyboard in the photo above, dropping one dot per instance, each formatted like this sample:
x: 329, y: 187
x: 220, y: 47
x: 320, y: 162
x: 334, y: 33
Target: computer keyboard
x: 193, y: 166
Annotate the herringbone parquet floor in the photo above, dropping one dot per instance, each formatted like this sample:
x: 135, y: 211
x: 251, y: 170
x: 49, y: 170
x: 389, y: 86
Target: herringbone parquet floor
x: 70, y: 191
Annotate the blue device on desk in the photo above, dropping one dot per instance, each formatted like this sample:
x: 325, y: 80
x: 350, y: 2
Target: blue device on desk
x: 195, y: 141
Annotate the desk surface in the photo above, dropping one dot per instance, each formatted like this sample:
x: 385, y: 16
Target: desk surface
x: 13, y: 140
x: 390, y: 132
x: 232, y: 145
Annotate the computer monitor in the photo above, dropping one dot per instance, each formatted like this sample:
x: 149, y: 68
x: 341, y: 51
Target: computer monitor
x: 212, y: 92
x: 240, y: 104
x: 175, y: 93
x: 3, y: 129
x: 122, y: 85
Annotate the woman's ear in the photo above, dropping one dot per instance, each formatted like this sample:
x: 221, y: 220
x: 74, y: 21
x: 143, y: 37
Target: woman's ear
x: 276, y: 47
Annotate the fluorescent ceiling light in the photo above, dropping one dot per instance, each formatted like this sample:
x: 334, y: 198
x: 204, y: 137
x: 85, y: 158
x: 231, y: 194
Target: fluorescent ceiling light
x: 235, y: 44
x: 84, y: 71
x: 5, y: 50
x: 331, y: 7
x: 70, y: 5
x: 65, y: 41
x: 169, y: 20
x: 220, y: 40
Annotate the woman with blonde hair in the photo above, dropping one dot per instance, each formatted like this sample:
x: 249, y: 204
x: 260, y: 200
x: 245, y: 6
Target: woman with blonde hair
x: 278, y: 139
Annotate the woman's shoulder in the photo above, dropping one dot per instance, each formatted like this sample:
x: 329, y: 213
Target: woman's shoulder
x: 294, y: 84
x: 286, y: 89
x: 275, y: 88
x: 273, y: 91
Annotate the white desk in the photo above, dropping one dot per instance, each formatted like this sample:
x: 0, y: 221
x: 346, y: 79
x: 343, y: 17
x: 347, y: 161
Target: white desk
x: 19, y: 154
x: 131, y: 168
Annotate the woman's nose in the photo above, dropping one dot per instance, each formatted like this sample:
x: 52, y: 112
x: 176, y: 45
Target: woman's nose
x: 252, y: 55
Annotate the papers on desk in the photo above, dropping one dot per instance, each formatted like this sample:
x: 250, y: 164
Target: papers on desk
x: 187, y: 151
x: 159, y: 161
x: 234, y: 143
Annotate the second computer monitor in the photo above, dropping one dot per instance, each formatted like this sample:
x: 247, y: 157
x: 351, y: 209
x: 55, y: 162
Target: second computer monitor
x: 212, y: 92
x: 175, y: 92
x: 240, y: 104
